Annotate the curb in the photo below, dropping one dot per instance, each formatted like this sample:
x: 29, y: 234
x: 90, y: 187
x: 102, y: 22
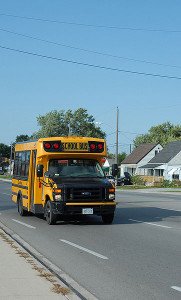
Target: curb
x: 5, y: 180
x: 78, y: 292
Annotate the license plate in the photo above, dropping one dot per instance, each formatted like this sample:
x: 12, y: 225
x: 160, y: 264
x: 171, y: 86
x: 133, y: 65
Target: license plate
x: 87, y: 211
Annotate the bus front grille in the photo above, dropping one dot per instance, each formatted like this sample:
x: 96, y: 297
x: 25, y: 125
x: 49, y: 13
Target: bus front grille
x: 77, y: 194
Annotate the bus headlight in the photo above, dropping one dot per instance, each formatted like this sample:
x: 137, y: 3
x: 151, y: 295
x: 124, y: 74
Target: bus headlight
x: 111, y: 193
x: 58, y: 197
x: 57, y: 194
x: 111, y: 196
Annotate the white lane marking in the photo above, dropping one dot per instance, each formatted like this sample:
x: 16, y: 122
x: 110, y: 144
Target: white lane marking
x: 177, y: 288
x: 27, y: 225
x: 170, y: 209
x: 6, y: 194
x: 153, y: 224
x: 135, y: 204
x: 84, y: 249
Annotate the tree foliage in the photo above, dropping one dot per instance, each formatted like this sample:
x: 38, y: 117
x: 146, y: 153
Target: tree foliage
x: 121, y: 156
x: 64, y: 123
x: 5, y: 150
x: 163, y: 134
x: 22, y: 138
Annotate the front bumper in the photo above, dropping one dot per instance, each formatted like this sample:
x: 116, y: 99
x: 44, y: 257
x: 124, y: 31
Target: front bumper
x: 70, y: 208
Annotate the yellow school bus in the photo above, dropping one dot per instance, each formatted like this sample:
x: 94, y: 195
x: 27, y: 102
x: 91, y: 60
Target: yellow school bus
x: 62, y: 176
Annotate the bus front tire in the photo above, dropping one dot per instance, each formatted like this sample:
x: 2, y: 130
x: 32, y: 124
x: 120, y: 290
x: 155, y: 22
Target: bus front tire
x: 108, y: 219
x: 49, y: 215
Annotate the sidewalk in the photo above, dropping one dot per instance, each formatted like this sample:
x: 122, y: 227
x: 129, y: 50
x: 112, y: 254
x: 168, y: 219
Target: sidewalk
x: 168, y: 191
x: 23, y: 277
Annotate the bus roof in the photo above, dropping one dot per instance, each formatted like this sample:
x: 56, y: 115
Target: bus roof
x: 65, y: 145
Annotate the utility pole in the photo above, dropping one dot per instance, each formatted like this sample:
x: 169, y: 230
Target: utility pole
x: 130, y: 148
x: 69, y: 129
x: 11, y: 158
x: 117, y: 133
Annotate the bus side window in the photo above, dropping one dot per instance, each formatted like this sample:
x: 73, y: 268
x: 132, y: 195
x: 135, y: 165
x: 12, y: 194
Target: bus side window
x: 19, y: 164
x: 15, y: 170
x: 27, y: 163
x: 23, y: 157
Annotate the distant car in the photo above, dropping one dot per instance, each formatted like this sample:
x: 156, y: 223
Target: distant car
x: 111, y: 178
x: 1, y: 171
x: 124, y: 180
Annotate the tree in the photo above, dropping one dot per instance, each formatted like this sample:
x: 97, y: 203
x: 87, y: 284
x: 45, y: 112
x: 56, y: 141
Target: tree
x: 121, y: 156
x: 22, y: 138
x: 64, y: 123
x: 5, y: 151
x: 163, y: 134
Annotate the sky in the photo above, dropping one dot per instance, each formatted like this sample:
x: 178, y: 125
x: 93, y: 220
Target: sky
x: 116, y: 37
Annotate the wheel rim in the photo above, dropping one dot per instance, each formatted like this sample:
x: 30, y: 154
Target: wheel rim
x: 20, y: 206
x: 48, y: 212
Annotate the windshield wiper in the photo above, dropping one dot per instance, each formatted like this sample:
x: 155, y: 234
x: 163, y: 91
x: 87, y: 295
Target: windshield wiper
x: 90, y: 176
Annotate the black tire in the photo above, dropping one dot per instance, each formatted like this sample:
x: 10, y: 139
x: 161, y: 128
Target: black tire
x: 108, y: 219
x: 49, y: 215
x: 21, y: 210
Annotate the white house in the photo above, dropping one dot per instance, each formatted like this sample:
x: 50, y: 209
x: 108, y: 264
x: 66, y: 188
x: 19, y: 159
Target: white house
x: 166, y: 163
x: 139, y: 157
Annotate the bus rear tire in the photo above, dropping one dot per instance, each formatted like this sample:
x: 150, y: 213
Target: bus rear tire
x: 108, y: 219
x: 21, y: 210
x: 49, y: 215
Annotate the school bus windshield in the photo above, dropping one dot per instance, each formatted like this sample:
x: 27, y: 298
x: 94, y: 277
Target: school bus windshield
x: 75, y: 168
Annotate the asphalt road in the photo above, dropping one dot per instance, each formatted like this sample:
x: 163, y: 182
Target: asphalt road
x: 137, y: 257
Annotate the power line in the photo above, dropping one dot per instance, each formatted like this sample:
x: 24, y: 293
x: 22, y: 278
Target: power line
x: 111, y: 133
x: 87, y: 50
x: 130, y: 132
x: 91, y: 65
x: 93, y: 25
x: 114, y: 145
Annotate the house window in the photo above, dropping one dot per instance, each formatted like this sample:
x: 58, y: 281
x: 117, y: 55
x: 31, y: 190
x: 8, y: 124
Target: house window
x: 175, y: 176
x: 151, y: 172
x: 133, y: 171
x: 156, y: 151
x: 161, y: 172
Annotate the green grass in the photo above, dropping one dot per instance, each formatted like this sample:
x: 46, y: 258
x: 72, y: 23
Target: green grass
x: 143, y: 187
x: 5, y: 176
x: 132, y: 187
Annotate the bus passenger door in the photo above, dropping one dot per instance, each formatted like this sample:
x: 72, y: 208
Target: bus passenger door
x: 33, y: 170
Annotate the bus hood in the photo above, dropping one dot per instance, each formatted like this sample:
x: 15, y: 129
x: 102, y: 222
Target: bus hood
x: 102, y: 182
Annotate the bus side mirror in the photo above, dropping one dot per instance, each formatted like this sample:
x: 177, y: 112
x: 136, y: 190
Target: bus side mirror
x: 39, y: 171
x: 114, y: 169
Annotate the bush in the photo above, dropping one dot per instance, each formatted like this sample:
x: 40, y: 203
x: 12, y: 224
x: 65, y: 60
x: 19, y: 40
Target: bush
x: 170, y: 184
x: 176, y: 183
x: 166, y: 183
x: 137, y: 180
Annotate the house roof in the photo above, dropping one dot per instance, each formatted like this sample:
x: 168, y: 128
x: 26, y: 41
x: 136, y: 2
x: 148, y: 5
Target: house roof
x: 150, y: 166
x: 165, y: 155
x: 139, y: 153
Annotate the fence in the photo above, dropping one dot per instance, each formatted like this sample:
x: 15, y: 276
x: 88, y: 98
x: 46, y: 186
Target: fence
x: 152, y: 180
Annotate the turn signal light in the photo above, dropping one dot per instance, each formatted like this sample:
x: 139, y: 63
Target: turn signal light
x: 111, y: 190
x: 96, y: 147
x: 58, y: 191
x: 56, y: 146
x: 100, y: 146
x: 52, y: 146
x: 92, y: 146
x: 47, y: 145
